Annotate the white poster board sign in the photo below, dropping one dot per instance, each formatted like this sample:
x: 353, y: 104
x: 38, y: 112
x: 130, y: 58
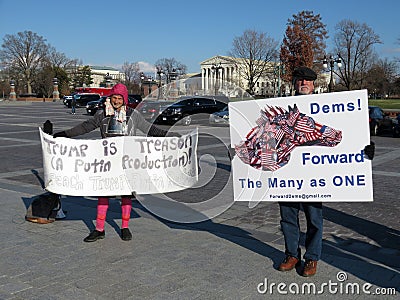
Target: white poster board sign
x: 119, y: 165
x: 302, y: 148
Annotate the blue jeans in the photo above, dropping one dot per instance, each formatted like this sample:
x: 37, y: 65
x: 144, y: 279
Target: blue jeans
x: 291, y: 228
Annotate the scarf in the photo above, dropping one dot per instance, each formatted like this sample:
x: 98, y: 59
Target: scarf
x: 110, y: 111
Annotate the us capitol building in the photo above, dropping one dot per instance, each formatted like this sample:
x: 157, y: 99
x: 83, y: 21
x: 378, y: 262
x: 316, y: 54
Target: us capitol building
x: 220, y: 72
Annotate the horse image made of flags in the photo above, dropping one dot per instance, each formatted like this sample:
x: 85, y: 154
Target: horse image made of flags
x: 268, y: 145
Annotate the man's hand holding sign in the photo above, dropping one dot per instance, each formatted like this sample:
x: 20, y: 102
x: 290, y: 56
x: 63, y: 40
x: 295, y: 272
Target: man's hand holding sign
x: 309, y: 152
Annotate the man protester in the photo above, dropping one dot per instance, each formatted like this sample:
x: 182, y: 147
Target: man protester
x: 303, y: 79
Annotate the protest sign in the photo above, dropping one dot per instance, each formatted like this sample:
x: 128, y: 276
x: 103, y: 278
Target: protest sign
x: 302, y: 148
x: 119, y: 165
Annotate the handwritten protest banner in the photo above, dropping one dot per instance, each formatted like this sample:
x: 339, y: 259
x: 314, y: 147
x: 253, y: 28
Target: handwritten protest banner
x: 119, y: 165
x: 302, y: 148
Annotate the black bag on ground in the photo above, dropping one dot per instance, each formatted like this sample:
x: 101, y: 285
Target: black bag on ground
x: 44, y: 208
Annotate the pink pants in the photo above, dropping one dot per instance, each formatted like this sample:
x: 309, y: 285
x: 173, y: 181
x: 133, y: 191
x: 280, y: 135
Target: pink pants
x: 102, y: 207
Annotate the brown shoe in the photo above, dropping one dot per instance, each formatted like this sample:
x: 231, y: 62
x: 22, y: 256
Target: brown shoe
x: 39, y: 220
x: 310, y: 268
x: 289, y: 263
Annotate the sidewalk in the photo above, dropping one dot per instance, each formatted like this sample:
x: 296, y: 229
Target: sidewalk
x: 230, y: 256
x: 9, y: 102
x: 210, y: 260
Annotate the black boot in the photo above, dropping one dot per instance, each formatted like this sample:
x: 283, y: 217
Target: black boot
x: 126, y: 234
x: 95, y: 235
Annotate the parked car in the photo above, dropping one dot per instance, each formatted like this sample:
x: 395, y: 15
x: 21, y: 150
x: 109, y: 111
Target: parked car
x: 150, y: 109
x: 134, y: 100
x: 93, y: 106
x: 191, y: 109
x: 379, y: 122
x: 396, y: 126
x: 82, y: 99
x: 220, y: 117
x: 67, y: 99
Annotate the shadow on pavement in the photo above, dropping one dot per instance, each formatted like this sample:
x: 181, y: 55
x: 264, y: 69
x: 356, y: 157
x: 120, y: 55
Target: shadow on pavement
x: 383, y: 257
x: 377, y: 265
x: 375, y: 273
x: 384, y: 236
x: 84, y: 209
x: 233, y: 234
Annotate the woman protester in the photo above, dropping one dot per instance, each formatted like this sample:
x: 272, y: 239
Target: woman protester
x: 116, y: 119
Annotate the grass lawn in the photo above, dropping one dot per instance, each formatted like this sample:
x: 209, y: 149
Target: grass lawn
x: 385, y: 103
x: 382, y: 103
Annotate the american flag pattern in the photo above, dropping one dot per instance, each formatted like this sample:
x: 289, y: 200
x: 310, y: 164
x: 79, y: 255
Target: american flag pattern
x: 268, y: 145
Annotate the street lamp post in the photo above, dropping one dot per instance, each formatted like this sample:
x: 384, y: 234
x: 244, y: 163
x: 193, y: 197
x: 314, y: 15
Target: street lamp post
x: 150, y: 80
x: 280, y: 70
x: 172, y: 77
x: 13, y: 95
x: 108, y: 80
x: 142, y: 77
x: 331, y: 61
x: 216, y: 67
x: 145, y: 80
x: 160, y: 72
x: 56, y: 94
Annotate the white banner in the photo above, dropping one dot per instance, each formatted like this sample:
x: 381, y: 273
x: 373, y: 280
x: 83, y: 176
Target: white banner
x: 119, y: 165
x: 302, y: 148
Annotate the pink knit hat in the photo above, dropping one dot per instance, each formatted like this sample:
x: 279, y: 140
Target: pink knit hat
x: 120, y: 89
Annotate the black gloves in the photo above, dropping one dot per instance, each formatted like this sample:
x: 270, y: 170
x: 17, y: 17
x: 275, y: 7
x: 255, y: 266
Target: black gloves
x: 48, y: 127
x: 369, y: 150
x: 60, y: 134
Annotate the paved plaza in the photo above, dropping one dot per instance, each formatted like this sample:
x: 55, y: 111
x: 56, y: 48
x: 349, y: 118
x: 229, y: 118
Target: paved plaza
x: 231, y: 256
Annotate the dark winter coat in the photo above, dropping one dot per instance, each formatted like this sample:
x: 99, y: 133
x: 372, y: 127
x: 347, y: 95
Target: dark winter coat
x: 100, y: 120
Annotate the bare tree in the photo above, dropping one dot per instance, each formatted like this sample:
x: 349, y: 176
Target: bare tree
x: 4, y: 83
x: 169, y: 65
x: 58, y: 63
x: 131, y: 72
x: 354, y: 43
x: 381, y: 78
x: 25, y: 53
x: 312, y: 25
x: 132, y: 76
x: 59, y: 59
x: 255, y: 53
x: 296, y: 50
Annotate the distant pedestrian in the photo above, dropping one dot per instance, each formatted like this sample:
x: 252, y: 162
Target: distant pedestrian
x: 73, y: 105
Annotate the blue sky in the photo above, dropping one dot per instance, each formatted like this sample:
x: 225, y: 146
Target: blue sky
x: 112, y: 32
